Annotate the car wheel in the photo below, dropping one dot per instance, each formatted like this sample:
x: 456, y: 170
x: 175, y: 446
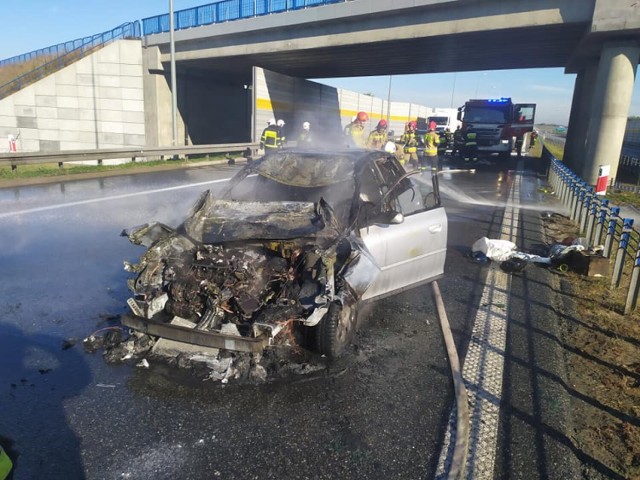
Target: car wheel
x: 336, y: 329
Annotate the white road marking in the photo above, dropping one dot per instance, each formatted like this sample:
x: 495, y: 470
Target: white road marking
x: 484, y: 363
x: 109, y: 198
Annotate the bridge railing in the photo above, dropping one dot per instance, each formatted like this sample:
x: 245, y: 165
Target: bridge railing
x: 600, y: 223
x: 225, y: 11
x: 59, y: 56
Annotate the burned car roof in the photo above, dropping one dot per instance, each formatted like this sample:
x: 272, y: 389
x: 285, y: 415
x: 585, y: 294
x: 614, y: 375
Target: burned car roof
x: 295, y: 194
x: 308, y: 169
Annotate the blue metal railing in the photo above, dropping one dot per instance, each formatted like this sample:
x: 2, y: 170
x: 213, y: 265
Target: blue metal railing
x: 63, y: 55
x: 133, y: 29
x: 225, y: 11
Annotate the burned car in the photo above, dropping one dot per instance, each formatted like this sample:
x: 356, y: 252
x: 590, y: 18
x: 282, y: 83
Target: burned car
x: 296, y: 239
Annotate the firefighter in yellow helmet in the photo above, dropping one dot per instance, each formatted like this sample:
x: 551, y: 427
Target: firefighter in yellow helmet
x: 355, y: 131
x: 378, y: 138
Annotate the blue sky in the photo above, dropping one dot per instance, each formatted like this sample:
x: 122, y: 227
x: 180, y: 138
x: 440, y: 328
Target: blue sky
x: 32, y: 24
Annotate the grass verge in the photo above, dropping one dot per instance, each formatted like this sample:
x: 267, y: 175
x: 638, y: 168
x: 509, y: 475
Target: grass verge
x: 602, y: 352
x: 69, y: 169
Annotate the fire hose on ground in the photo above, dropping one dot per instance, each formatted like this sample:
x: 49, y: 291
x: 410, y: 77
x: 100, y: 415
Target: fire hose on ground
x: 457, y: 467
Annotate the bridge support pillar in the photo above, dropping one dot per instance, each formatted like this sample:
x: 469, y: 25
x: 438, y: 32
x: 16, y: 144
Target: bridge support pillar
x: 575, y: 145
x: 610, y: 108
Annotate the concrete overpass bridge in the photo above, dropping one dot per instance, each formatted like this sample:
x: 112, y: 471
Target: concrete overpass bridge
x: 218, y: 76
x: 597, y: 39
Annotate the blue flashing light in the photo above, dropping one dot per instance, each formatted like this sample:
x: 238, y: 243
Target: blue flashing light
x: 499, y: 100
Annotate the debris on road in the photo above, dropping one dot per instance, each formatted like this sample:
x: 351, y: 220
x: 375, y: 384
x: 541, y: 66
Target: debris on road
x: 572, y: 254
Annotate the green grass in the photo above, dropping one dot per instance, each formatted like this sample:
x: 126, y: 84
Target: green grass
x: 52, y: 169
x: 623, y: 198
x: 555, y: 150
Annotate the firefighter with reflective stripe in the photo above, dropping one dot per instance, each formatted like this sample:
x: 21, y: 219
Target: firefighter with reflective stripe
x: 410, y: 142
x: 470, y: 149
x: 431, y: 142
x: 458, y: 141
x: 446, y: 139
x: 378, y: 138
x: 355, y: 131
x: 270, y: 139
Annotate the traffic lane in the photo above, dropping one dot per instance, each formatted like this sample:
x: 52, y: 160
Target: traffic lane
x: 59, y: 298
x: 535, y: 421
x: 376, y: 419
x: 66, y: 280
x: 475, y: 208
x: 17, y: 199
x: 104, y: 392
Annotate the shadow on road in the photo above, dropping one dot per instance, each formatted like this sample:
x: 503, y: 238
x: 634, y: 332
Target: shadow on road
x: 37, y: 377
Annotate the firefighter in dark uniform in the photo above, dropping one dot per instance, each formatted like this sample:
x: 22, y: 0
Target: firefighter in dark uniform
x: 270, y: 140
x: 458, y: 141
x: 470, y: 148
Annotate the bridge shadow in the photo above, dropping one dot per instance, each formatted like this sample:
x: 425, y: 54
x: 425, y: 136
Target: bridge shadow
x: 39, y: 375
x: 543, y: 412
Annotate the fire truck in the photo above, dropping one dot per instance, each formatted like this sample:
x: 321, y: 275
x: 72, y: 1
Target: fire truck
x: 499, y: 124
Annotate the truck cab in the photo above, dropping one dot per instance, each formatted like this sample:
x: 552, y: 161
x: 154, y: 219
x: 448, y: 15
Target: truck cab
x: 499, y: 124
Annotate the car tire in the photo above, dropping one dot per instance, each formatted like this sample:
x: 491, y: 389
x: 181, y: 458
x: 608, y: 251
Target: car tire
x: 336, y: 329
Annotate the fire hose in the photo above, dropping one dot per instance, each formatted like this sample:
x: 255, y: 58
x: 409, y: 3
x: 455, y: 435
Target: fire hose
x: 457, y: 467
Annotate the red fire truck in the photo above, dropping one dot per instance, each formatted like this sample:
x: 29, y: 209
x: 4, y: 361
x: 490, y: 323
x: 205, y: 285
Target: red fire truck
x: 498, y: 123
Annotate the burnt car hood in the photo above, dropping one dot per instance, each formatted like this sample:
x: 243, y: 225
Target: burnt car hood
x: 216, y: 220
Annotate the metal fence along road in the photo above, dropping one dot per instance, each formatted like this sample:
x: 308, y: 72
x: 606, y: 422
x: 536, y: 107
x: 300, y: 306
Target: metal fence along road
x: 600, y: 224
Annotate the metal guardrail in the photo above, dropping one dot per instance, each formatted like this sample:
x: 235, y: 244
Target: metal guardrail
x: 64, y: 56
x: 33, y: 158
x: 601, y: 224
x: 225, y: 11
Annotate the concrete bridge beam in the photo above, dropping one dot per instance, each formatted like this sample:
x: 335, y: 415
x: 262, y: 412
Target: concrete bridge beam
x: 575, y: 145
x: 610, y: 107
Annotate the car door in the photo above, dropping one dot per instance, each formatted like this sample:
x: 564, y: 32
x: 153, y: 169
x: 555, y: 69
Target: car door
x: 412, y: 251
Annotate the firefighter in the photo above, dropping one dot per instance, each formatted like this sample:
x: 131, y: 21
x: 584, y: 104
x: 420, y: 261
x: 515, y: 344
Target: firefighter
x: 283, y: 138
x: 270, y: 140
x: 431, y: 142
x: 378, y: 138
x: 448, y: 138
x: 355, y: 130
x: 410, y: 142
x: 458, y: 141
x: 305, y: 136
x: 470, y: 148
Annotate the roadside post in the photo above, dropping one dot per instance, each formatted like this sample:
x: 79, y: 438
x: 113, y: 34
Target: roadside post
x: 611, y: 231
x: 603, y: 179
x: 627, y: 227
x: 634, y: 286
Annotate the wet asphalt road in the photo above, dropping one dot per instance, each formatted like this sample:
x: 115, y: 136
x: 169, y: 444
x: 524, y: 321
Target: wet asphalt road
x: 379, y: 413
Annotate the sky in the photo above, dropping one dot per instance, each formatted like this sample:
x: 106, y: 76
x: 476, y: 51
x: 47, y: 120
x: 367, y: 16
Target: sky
x: 32, y: 24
